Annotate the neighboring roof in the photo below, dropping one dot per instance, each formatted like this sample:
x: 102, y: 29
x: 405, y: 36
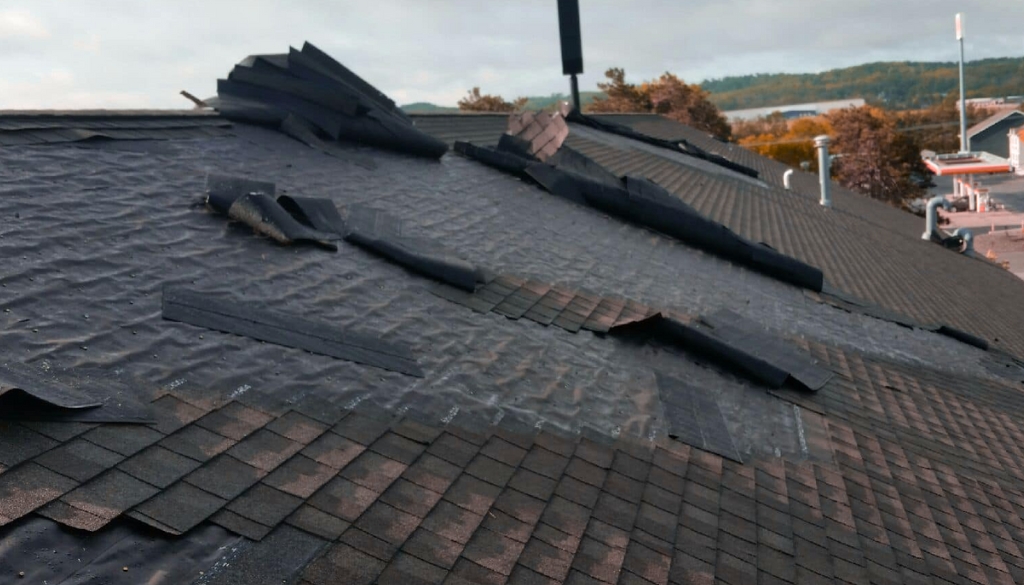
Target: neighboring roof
x: 971, y: 163
x: 993, y: 120
x: 534, y: 448
x: 813, y: 108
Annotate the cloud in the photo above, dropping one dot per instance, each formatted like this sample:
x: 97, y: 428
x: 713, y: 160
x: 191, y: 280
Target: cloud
x: 435, y: 51
x: 19, y: 24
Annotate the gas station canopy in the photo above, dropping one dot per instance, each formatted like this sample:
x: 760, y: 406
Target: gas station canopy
x: 967, y: 163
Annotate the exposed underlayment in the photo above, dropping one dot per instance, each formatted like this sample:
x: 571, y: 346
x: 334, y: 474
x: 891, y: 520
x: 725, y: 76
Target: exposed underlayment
x: 525, y: 452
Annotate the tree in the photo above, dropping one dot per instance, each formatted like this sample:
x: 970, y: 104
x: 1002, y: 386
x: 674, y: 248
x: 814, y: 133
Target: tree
x: 873, y: 157
x: 788, y: 142
x: 622, y: 96
x: 668, y: 95
x: 477, y: 102
x: 689, y: 104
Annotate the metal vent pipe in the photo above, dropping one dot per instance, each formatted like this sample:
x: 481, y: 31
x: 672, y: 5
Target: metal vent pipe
x: 786, y: 178
x: 824, y: 164
x: 932, y: 216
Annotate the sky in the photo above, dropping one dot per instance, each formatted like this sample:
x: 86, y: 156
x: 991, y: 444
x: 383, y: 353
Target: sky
x: 140, y: 54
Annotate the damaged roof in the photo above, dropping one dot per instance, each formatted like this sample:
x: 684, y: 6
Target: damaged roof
x: 468, y: 378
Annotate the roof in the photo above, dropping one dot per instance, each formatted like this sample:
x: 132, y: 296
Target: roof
x: 993, y: 120
x: 972, y: 163
x: 554, y: 433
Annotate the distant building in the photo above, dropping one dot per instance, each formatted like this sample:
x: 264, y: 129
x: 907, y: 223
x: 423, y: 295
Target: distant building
x: 793, y: 111
x: 1016, y: 160
x: 989, y: 135
x: 1009, y: 102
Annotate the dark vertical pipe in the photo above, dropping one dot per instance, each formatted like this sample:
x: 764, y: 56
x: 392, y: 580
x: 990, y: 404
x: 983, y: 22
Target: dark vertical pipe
x: 575, y: 92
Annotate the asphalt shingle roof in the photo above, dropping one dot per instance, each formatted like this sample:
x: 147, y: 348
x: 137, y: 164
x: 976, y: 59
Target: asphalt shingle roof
x: 528, y: 453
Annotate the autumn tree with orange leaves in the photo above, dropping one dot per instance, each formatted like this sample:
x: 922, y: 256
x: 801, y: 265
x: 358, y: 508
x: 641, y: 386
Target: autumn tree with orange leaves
x: 667, y: 95
x: 873, y: 157
x: 787, y: 142
x: 477, y: 102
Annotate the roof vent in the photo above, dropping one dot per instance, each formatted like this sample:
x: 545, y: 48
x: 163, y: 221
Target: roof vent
x: 787, y: 177
x: 824, y: 165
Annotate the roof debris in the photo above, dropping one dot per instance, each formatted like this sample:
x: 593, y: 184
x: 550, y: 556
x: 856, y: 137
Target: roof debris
x: 307, y: 93
x: 254, y: 320
x: 253, y: 203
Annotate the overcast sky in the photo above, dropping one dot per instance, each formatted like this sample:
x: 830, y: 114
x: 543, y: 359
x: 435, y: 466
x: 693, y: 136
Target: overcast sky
x: 139, y: 54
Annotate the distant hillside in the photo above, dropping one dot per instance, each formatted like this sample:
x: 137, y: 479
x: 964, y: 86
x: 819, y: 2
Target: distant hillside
x: 533, y: 103
x: 422, y: 107
x: 896, y: 85
x: 540, y: 103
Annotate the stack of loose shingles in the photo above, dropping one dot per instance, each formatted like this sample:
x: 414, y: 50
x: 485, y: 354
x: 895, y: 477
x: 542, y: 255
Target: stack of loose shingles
x: 312, y: 97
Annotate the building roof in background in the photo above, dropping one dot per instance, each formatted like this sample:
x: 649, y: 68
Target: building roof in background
x: 993, y: 120
x: 812, y: 108
x: 972, y: 163
x: 558, y: 426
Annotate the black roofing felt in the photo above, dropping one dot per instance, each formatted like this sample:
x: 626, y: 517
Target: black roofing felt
x: 30, y: 393
x: 309, y: 86
x: 380, y: 233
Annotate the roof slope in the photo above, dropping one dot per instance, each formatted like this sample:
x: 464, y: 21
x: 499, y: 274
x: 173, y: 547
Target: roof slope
x: 865, y: 248
x: 993, y: 120
x: 526, y: 453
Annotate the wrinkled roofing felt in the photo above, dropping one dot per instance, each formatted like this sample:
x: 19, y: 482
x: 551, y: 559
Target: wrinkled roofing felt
x: 536, y: 449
